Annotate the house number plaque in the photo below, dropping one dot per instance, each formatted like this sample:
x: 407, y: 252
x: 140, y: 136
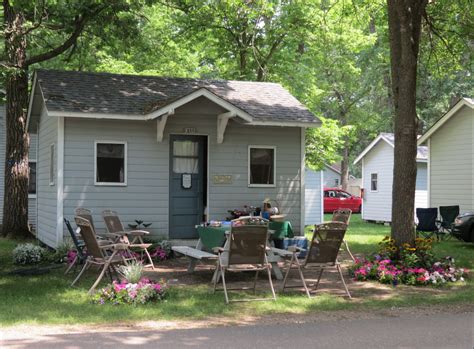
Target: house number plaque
x: 222, y: 179
x: 189, y: 130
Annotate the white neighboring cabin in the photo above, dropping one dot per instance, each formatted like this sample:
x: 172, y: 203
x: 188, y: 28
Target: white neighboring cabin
x: 32, y: 162
x: 377, y: 178
x: 451, y: 157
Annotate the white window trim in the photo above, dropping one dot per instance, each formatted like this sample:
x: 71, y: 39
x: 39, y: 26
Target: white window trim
x: 125, y: 177
x: 274, y: 166
x: 374, y: 191
x: 33, y: 196
x: 51, y: 163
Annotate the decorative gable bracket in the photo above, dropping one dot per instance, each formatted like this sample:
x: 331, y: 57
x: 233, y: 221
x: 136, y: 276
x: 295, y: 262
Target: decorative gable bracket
x: 222, y: 120
x: 160, y: 125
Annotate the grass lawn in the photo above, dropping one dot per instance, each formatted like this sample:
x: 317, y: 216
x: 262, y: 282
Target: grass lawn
x: 48, y: 299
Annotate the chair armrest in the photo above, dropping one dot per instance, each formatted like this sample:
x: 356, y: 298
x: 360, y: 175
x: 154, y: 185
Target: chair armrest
x: 295, y: 249
x: 218, y: 249
x: 117, y: 247
x: 137, y: 232
x: 113, y: 236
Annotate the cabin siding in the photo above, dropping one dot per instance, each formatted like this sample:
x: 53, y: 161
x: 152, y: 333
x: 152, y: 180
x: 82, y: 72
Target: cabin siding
x: 451, y: 162
x: 313, y: 198
x: 331, y: 178
x: 46, y: 194
x: 378, y: 205
x: 146, y: 195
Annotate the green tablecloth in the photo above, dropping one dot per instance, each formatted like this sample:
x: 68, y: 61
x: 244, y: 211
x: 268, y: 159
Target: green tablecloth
x: 212, y: 236
x: 215, y: 236
x: 282, y: 229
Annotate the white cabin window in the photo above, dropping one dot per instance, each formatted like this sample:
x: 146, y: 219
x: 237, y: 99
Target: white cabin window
x: 32, y: 178
x: 262, y: 163
x: 110, y: 163
x: 51, y: 164
x: 374, y: 182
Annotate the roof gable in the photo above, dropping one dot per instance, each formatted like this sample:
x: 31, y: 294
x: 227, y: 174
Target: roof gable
x: 69, y: 93
x: 468, y: 102
x: 389, y: 138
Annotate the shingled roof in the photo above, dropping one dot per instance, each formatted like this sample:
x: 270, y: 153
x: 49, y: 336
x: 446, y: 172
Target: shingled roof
x: 119, y: 94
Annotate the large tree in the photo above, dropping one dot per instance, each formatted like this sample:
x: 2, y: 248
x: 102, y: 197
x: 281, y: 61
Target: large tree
x: 34, y: 32
x: 405, y: 21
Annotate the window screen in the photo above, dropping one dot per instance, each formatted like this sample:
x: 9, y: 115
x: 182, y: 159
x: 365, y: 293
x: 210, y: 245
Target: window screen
x: 110, y: 163
x: 262, y: 162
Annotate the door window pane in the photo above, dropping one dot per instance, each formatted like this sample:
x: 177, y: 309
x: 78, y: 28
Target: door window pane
x: 185, y: 165
x: 185, y: 157
x: 185, y: 148
x: 262, y: 166
x: 110, y: 163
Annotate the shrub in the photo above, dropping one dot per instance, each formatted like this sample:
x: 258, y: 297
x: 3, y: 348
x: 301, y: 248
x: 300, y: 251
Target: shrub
x: 25, y: 254
x: 132, y: 272
x: 60, y: 254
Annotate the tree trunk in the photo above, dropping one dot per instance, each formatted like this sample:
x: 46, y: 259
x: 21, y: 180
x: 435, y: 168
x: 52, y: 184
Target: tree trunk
x: 404, y: 33
x: 345, y: 166
x: 15, y: 209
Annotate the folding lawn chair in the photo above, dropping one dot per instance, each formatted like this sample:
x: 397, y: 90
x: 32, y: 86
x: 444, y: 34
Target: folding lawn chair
x: 106, y: 256
x: 322, y: 254
x: 343, y: 215
x: 133, y: 238
x: 244, y: 251
x: 448, y: 215
x: 81, y: 255
x: 427, y: 222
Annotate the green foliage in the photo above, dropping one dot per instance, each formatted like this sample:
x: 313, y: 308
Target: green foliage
x: 132, y: 272
x: 324, y: 144
x: 26, y: 254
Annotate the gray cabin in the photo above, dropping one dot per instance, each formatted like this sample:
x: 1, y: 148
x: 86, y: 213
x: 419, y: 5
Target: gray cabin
x: 377, y: 178
x: 451, y: 157
x: 171, y: 152
x: 32, y: 164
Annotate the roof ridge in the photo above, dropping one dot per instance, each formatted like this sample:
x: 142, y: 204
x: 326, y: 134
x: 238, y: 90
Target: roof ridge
x: 156, y: 76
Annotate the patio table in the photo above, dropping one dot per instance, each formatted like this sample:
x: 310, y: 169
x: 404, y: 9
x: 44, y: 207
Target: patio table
x: 281, y: 230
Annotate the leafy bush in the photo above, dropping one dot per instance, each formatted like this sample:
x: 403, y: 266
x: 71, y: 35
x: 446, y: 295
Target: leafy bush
x: 25, y: 254
x: 132, y: 272
x: 59, y: 255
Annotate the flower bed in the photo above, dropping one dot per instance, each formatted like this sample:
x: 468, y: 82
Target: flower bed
x: 124, y: 292
x: 416, y: 265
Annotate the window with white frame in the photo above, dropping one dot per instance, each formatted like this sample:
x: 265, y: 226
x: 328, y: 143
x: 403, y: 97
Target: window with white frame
x: 374, y: 182
x: 51, y: 164
x: 32, y: 177
x: 110, y: 163
x: 262, y: 166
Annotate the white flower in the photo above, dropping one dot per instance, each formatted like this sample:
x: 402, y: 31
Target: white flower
x: 461, y: 279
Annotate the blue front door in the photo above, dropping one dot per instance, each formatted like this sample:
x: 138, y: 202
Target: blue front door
x: 188, y: 178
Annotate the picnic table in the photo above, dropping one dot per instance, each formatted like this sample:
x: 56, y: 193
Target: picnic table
x: 210, y: 237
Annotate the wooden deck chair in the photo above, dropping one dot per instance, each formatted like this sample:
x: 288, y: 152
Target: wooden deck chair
x: 324, y: 248
x: 134, y: 238
x: 105, y: 256
x: 245, y: 251
x: 343, y: 215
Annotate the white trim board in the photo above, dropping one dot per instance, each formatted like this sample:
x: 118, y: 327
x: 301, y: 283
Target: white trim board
x: 302, y: 182
x: 60, y: 182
